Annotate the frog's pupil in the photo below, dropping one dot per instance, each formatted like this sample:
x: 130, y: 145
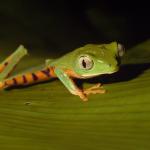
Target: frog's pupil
x: 84, y: 63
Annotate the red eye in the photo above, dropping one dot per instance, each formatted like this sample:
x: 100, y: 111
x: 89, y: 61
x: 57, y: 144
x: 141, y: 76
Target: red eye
x: 85, y: 62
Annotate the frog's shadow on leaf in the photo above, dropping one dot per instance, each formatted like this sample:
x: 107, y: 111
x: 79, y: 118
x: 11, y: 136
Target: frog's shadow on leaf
x: 126, y: 73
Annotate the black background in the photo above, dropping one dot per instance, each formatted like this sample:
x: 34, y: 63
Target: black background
x: 62, y: 25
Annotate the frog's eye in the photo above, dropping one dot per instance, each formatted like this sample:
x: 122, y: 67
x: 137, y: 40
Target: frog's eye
x: 121, y: 50
x: 85, y: 62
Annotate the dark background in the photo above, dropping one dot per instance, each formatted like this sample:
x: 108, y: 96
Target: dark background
x: 62, y: 25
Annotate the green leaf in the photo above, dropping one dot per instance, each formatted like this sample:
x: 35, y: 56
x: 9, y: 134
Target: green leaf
x: 47, y: 117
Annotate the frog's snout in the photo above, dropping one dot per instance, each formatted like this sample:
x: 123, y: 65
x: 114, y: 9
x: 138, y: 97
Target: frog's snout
x: 113, y: 68
x: 120, y: 50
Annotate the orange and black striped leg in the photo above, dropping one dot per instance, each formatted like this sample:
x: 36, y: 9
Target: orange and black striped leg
x: 28, y: 78
x: 7, y: 66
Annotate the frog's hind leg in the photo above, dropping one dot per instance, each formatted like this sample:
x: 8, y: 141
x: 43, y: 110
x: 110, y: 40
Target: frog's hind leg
x: 7, y: 66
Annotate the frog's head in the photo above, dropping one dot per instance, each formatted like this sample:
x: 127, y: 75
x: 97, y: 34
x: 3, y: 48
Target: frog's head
x: 93, y: 59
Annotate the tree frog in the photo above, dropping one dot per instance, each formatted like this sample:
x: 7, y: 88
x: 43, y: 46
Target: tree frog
x: 85, y: 62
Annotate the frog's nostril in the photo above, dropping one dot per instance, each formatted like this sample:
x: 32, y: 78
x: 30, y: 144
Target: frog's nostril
x: 109, y: 65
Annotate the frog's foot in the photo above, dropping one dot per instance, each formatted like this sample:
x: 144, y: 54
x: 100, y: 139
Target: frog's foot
x: 81, y: 95
x: 96, y: 89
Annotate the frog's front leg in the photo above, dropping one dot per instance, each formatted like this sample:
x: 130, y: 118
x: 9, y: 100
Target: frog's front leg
x: 69, y: 84
x: 7, y: 66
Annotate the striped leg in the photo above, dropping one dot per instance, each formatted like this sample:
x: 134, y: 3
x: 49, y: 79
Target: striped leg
x: 28, y: 78
x: 9, y: 63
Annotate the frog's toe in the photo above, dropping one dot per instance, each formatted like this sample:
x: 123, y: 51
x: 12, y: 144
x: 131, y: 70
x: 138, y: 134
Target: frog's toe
x: 83, y: 96
x: 96, y: 86
x: 96, y: 89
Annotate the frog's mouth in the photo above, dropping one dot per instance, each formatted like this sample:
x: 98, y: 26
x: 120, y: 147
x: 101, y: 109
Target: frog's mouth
x: 98, y: 74
x: 113, y: 70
